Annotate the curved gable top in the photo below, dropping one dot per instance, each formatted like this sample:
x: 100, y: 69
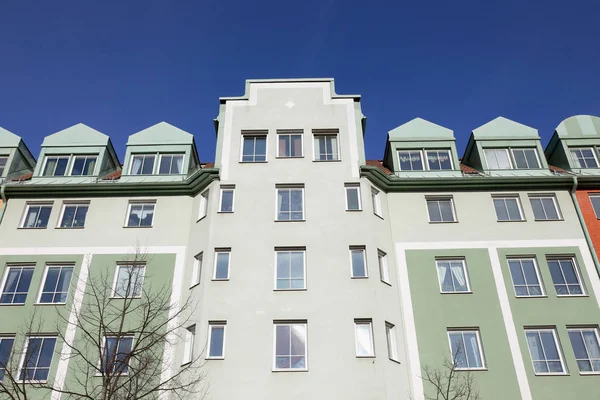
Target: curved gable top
x: 8, y: 139
x: 579, y: 126
x: 75, y: 136
x: 504, y: 128
x: 161, y: 133
x: 419, y: 129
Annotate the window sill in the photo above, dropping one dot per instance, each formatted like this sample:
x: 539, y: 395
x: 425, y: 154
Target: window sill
x: 292, y: 157
x: 69, y: 227
x: 353, y: 210
x: 124, y: 298
x: 513, y: 220
x: 215, y: 358
x: 595, y: 373
x: 12, y: 304
x: 134, y: 227
x: 548, y: 220
x: 290, y: 370
x: 290, y: 220
x: 542, y: 296
x: 326, y: 161
x: 220, y: 280
x: 373, y: 356
x: 359, y: 277
x: 253, y: 162
x: 553, y: 374
x: 30, y: 382
x: 224, y: 212
x: 465, y: 292
x: 33, y: 228
x: 290, y: 290
x: 470, y: 369
x: 49, y: 304
x: 562, y: 296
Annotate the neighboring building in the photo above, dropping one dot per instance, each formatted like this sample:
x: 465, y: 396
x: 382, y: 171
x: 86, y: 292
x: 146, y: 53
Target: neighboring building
x: 315, y: 272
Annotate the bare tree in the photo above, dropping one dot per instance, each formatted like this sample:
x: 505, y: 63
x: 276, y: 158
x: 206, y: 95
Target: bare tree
x: 119, y: 341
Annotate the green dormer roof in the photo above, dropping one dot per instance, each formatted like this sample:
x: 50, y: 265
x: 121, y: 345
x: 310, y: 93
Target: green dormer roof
x: 76, y: 136
x: 419, y: 129
x: 579, y: 126
x: 161, y: 133
x: 8, y: 139
x: 503, y: 128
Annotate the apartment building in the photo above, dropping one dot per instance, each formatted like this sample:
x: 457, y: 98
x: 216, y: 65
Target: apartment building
x: 314, y: 271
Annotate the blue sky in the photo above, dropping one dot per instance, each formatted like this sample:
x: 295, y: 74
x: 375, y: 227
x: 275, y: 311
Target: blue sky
x: 121, y: 66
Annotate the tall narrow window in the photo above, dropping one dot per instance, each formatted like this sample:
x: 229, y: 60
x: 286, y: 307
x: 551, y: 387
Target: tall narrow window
x: 544, y: 208
x: 226, y: 203
x: 441, y: 210
x: 36, y: 215
x: 73, y: 215
x: 353, y: 202
x: 438, y: 160
x: 116, y: 354
x: 545, y: 351
x: 254, y: 148
x: 584, y: 157
x: 508, y: 208
x: 56, y: 283
x: 203, y: 209
x: 129, y: 280
x: 595, y: 200
x: 221, y: 264
x: 359, y: 263
x: 3, y: 161
x: 363, y: 329
x: 526, y: 158
x: 390, y: 333
x: 37, y: 358
x: 465, y: 347
x: 586, y: 346
x: 565, y: 276
x: 6, y: 345
x: 17, y: 280
x: 216, y: 340
x: 197, y: 269
x: 188, y: 351
x: 56, y: 166
x: 497, y: 158
x: 326, y: 146
x: 289, y: 144
x: 290, y: 271
x: 142, y: 164
x: 384, y: 272
x: 525, y: 277
x: 140, y: 214
x: 376, y: 200
x: 291, y: 349
x: 411, y: 160
x: 290, y: 203
x: 452, y: 275
x: 83, y: 165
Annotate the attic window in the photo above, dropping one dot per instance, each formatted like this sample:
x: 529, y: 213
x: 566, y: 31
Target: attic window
x: 3, y: 161
x: 583, y: 157
x: 56, y: 166
x: 70, y: 165
x: 412, y: 160
x: 523, y: 158
x: 142, y: 164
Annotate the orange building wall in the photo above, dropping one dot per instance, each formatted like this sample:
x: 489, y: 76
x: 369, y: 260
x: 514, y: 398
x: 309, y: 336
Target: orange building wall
x: 592, y: 223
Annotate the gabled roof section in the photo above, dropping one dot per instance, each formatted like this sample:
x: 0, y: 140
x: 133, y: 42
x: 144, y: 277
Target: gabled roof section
x: 8, y: 139
x: 159, y: 134
x: 76, y: 136
x: 419, y: 129
x: 503, y: 128
x: 579, y: 126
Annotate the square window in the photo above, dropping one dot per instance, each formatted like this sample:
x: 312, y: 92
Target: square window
x: 116, y: 353
x: 441, y: 210
x: 359, y: 263
x: 384, y: 272
x: 411, y: 160
x: 36, y: 216
x: 452, y: 276
x: 525, y: 277
x: 465, y: 347
x: 353, y: 202
x: 290, y: 272
x: 438, y: 160
x: 129, y: 281
x: 56, y: 282
x: 290, y: 346
x: 544, y: 208
x: 584, y: 157
x: 171, y: 164
x: 363, y: 332
x: 142, y: 164
x: 326, y: 147
x: 526, y: 158
x: 497, y: 158
x: 226, y: 202
x: 376, y: 200
x: 222, y: 257
x: 508, y: 208
x: 6, y: 345
x: 83, y: 165
x: 203, y: 205
x: 73, y: 215
x: 290, y: 203
x: 140, y: 215
x: 545, y: 352
x: 595, y: 200
x: 585, y: 343
x: 216, y: 340
x: 188, y: 351
x: 390, y: 333
x: 289, y: 144
x: 197, y: 269
x: 3, y: 162
x: 565, y: 276
x: 15, y: 286
x: 254, y: 148
x: 37, y: 358
x: 56, y: 166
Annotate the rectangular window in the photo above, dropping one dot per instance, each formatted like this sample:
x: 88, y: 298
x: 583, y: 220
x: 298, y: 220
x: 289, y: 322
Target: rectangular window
x: 203, y: 205
x: 508, y: 208
x: 525, y: 277
x: 376, y: 200
x: 438, y: 160
x: 3, y: 161
x: 384, y: 272
x: 6, y: 345
x: 171, y: 164
x: 216, y: 340
x: 17, y: 280
x: 353, y: 202
x: 290, y: 144
x: 595, y: 200
x: 565, y: 276
x: 222, y: 264
x: 188, y: 351
x: 585, y: 342
x: 359, y: 263
x: 36, y: 216
x: 526, y: 158
x: 290, y: 346
x: 544, y: 208
x: 56, y: 166
x: 497, y: 158
x: 73, y: 215
x: 290, y: 273
x: 116, y: 353
x: 326, y: 146
x: 290, y: 203
x: 465, y: 347
x: 226, y: 202
x: 56, y: 282
x: 140, y: 214
x: 83, y: 165
x: 411, y: 160
x: 441, y: 210
x: 254, y: 148
x: 142, y: 164
x: 197, y: 269
x: 545, y: 352
x: 129, y: 281
x: 584, y: 157
x: 452, y: 275
x: 36, y: 360
x: 363, y: 330
x: 390, y: 333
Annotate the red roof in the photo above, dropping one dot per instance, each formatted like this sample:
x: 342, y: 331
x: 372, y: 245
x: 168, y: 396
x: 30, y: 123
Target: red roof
x: 379, y: 164
x: 468, y: 170
x: 113, y: 175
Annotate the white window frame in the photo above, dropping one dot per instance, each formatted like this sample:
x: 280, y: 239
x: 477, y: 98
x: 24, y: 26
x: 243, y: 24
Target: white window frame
x: 211, y: 325
x: 558, y: 349
x: 160, y: 157
x: 369, y: 323
x: 303, y: 323
x: 465, y: 272
x: 384, y: 270
x: 4, y: 337
x: 392, y: 341
x: 514, y: 161
x: 595, y: 196
x: 508, y: 156
x: 100, y: 366
x: 24, y: 354
x: 290, y: 250
x: 291, y: 132
x: 141, y: 276
x: 138, y: 203
x: 580, y: 329
x: 289, y: 187
x: 28, y: 205
x: 554, y: 201
x: 218, y: 251
x: 575, y: 269
x: 438, y: 199
x: 504, y: 198
x: 227, y: 188
x: 197, y: 269
x: 66, y: 204
x: 5, y: 167
x: 329, y: 133
x: 5, y: 278
x: 426, y: 161
x: 154, y: 165
x: 203, y: 206
x: 74, y: 157
x: 424, y: 153
x: 479, y: 344
x: 353, y: 187
x: 254, y: 134
x: 43, y: 282
x: 363, y: 251
x: 537, y: 273
x: 575, y: 161
x: 67, y: 168
x: 376, y: 200
x: 420, y: 151
x: 190, y: 339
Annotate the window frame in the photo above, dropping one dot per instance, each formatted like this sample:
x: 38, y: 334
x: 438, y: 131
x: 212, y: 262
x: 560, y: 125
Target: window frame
x: 100, y: 364
x: 160, y: 157
x: 290, y: 187
x: 114, y: 294
x: 290, y: 132
x: 420, y: 151
x: 554, y: 201
x: 226, y: 188
x: 597, y: 196
x: 537, y: 273
x: 290, y: 250
x: 465, y: 270
x: 576, y: 161
x: 211, y: 326
x: 514, y: 159
x: 28, y: 205
x: 24, y: 354
x: 4, y: 168
x: 508, y: 156
x: 439, y: 199
x: 376, y: 201
x: 3, y: 337
x: 462, y: 331
x: 57, y: 156
x: 203, y: 209
x: 576, y: 270
x: 189, y: 342
x: 363, y: 250
x: 316, y: 133
x: 74, y: 158
x: 38, y: 300
x: 356, y: 187
x: 424, y: 153
x: 254, y: 134
x: 7, y: 269
x: 144, y: 155
x: 220, y: 250
x: 369, y: 323
x: 77, y: 204
x: 392, y: 341
x: 197, y: 269
x: 384, y: 270
x: 142, y: 203
x: 290, y: 323
x: 504, y: 198
x: 580, y: 329
x: 558, y: 346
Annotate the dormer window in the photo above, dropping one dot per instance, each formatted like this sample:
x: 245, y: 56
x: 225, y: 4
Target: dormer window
x: 521, y: 158
x: 142, y: 164
x: 412, y: 160
x: 71, y: 165
x: 3, y: 161
x: 56, y: 166
x: 583, y: 157
x: 145, y: 164
x: 83, y: 165
x: 171, y: 164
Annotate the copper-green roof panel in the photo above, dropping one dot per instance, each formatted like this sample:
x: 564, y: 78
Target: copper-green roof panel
x: 76, y: 136
x: 8, y: 139
x: 161, y: 133
x: 420, y: 129
x: 503, y: 128
x: 579, y: 126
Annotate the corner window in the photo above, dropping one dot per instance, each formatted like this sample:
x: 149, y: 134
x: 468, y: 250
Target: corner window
x: 565, y: 276
x: 289, y: 144
x: 83, y: 165
x: 384, y: 272
x: 116, y: 353
x: 203, y: 208
x: 226, y: 201
x: 595, y: 200
x: 142, y: 164
x: 129, y: 281
x: 216, y: 340
x: 3, y: 161
x: 497, y: 158
x: 326, y: 146
x: 73, y: 215
x: 465, y: 347
x: 545, y: 352
x: 56, y: 282
x: 17, y: 280
x: 525, y: 277
x: 190, y: 338
x: 441, y: 209
x: 359, y: 263
x: 140, y: 214
x: 390, y: 334
x: 363, y: 333
x: 452, y: 276
x: 290, y: 203
x: 411, y: 160
x: 56, y: 166
x: 544, y: 208
x: 254, y: 148
x: 526, y: 158
x: 197, y: 269
x: 508, y: 208
x: 171, y: 164
x: 221, y: 272
x: 584, y: 157
x: 353, y: 202
x: 290, y: 273
x: 376, y: 200
x: 36, y: 216
x: 37, y: 358
x: 6, y: 345
x: 586, y: 346
x: 291, y: 348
